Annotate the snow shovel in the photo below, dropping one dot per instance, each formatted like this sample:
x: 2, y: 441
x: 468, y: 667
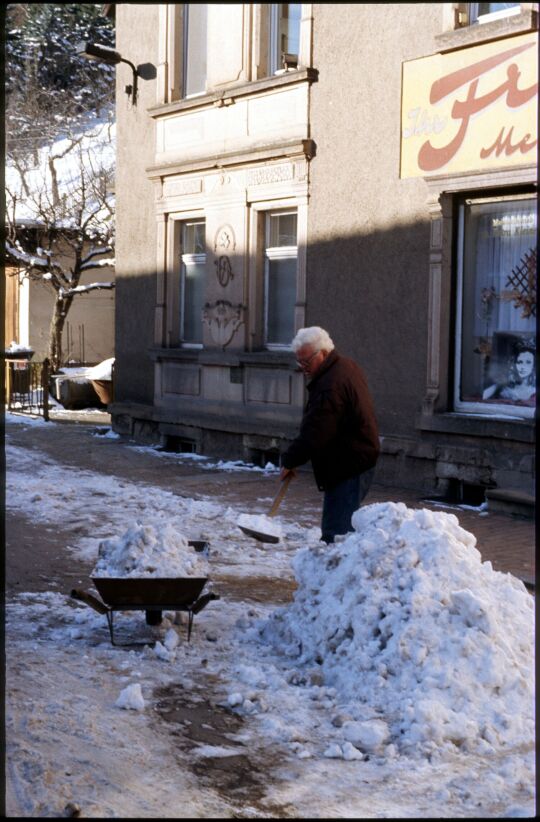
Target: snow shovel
x: 261, y: 535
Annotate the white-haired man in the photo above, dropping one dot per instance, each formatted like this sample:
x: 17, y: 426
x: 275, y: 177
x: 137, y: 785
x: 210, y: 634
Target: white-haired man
x: 338, y: 432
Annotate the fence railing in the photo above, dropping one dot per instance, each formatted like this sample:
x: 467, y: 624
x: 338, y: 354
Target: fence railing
x: 27, y: 386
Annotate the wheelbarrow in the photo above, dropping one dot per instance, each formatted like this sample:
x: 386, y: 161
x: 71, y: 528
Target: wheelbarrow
x: 151, y: 594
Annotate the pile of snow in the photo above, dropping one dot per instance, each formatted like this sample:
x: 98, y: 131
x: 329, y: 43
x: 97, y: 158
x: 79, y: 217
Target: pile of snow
x: 148, y: 551
x: 15, y: 347
x: 260, y: 523
x: 101, y: 371
x: 427, y: 647
x: 131, y: 698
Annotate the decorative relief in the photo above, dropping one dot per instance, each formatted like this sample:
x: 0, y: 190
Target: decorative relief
x: 270, y: 174
x: 224, y: 270
x: 178, y: 187
x: 223, y: 319
x: 301, y: 171
x: 225, y: 239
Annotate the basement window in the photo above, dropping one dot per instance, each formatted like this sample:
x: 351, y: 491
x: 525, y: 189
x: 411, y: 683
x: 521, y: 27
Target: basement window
x: 261, y: 457
x: 459, y: 492
x: 179, y: 445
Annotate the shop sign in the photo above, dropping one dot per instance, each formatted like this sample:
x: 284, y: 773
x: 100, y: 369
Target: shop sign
x: 471, y: 110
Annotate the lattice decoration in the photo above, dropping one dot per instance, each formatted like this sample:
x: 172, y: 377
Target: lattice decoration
x: 522, y: 281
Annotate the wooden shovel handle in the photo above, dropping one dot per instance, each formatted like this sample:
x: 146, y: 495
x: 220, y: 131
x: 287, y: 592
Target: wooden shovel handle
x: 280, y: 494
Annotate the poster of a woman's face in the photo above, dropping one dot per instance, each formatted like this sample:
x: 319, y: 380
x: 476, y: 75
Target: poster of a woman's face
x: 525, y: 365
x: 513, y: 370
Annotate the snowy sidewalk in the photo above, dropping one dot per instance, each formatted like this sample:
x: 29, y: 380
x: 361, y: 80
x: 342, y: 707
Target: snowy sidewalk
x: 508, y: 542
x: 399, y: 683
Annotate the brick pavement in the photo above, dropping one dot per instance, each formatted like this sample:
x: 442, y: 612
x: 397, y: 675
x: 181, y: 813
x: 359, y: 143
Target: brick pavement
x: 507, y: 541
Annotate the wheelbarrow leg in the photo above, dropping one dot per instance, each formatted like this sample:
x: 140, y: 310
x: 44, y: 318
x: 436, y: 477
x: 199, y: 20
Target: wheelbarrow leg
x: 109, y: 616
x: 153, y: 617
x: 190, y: 623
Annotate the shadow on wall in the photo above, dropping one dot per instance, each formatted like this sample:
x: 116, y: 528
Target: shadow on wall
x: 370, y: 291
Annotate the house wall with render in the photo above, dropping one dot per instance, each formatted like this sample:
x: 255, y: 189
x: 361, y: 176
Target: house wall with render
x: 88, y: 335
x: 378, y: 245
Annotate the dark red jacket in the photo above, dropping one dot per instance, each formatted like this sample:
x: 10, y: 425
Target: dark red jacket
x: 339, y: 431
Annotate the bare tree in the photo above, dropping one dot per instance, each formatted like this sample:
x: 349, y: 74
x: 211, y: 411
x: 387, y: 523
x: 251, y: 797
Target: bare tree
x: 60, y: 219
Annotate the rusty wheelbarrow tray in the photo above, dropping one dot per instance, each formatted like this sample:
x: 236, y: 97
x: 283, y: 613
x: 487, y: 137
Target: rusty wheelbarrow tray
x: 150, y: 594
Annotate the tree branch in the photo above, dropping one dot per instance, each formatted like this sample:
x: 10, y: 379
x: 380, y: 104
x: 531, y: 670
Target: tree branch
x: 85, y: 289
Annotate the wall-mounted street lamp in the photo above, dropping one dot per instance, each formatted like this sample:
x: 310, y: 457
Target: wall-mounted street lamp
x: 106, y: 54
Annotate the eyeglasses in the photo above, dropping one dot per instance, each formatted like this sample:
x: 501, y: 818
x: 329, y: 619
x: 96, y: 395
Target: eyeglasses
x: 306, y: 362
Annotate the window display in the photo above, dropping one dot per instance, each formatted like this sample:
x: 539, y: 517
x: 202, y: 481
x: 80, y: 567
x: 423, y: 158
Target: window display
x: 496, y: 333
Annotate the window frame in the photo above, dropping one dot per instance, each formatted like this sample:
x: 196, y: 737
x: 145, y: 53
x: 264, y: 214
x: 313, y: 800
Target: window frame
x: 271, y: 253
x: 185, y: 53
x: 474, y: 18
x: 170, y: 84
x: 171, y: 288
x: 274, y: 56
x: 499, y: 411
x: 185, y: 258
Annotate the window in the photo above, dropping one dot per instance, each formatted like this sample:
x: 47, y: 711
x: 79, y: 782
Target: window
x: 280, y: 277
x: 485, y: 12
x: 284, y: 35
x: 496, y: 312
x: 195, y: 27
x: 192, y: 281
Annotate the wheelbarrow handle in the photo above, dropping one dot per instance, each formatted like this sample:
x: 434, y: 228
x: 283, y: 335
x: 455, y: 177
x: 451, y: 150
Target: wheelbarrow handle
x: 203, y: 601
x: 90, y: 600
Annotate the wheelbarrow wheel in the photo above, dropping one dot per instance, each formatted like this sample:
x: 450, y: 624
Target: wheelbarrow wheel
x: 153, y: 617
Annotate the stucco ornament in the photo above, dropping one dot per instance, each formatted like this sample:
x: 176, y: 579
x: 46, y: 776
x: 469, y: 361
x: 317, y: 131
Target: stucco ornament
x: 224, y: 244
x: 224, y: 270
x: 223, y: 319
x: 225, y: 240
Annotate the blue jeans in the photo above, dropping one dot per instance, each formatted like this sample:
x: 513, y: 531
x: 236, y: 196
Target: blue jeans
x: 341, y: 502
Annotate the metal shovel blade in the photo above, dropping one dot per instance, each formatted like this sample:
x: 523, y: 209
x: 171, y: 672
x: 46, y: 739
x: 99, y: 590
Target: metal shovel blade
x: 260, y: 535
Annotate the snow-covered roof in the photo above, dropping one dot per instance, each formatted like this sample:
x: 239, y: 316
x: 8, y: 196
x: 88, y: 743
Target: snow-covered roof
x: 84, y: 152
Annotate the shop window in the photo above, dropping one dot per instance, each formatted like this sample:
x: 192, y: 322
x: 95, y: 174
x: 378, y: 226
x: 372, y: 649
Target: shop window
x: 284, y: 35
x: 280, y: 276
x: 486, y: 12
x: 496, y: 310
x: 192, y: 281
x: 195, y: 48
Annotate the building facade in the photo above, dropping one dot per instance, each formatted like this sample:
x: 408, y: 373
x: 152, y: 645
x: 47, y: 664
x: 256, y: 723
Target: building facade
x: 367, y: 168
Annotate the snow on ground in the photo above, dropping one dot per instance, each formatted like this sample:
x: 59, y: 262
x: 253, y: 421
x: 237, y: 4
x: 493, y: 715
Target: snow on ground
x: 399, y: 683
x: 76, y: 498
